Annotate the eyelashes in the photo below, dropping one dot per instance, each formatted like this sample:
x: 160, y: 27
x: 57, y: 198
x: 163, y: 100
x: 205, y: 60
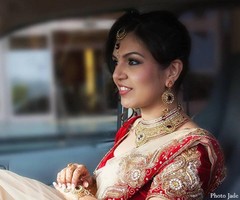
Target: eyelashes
x: 133, y: 62
x: 130, y: 62
x: 115, y: 62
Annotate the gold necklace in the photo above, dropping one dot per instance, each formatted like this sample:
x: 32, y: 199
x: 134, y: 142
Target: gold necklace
x: 145, y: 130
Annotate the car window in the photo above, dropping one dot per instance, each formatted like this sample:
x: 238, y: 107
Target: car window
x: 55, y: 82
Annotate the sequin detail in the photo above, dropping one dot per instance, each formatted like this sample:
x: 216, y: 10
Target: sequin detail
x: 133, y: 170
x: 180, y: 178
x: 116, y: 192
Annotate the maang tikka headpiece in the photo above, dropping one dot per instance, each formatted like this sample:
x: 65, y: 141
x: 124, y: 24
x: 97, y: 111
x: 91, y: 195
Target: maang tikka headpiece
x: 121, y: 33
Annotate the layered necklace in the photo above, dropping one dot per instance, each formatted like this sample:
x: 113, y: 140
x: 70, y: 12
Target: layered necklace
x: 146, y: 130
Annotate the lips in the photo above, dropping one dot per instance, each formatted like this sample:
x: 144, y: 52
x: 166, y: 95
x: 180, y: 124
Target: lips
x: 124, y: 90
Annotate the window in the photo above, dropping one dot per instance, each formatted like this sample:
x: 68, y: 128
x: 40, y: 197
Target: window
x: 205, y: 59
x: 56, y: 82
x: 29, y: 78
x: 1, y: 84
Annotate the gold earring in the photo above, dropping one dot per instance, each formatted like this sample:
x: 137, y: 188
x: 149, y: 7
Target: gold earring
x: 168, y: 96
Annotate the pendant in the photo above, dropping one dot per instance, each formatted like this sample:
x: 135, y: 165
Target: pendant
x: 140, y: 139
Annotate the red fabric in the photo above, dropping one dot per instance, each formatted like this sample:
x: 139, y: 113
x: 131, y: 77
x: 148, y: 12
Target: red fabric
x: 203, y: 170
x: 120, y: 134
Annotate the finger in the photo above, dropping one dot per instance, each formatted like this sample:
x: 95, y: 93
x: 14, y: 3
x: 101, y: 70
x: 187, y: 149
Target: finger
x: 85, y: 184
x: 76, y: 177
x: 58, y: 177
x: 59, y: 186
x: 69, y: 173
x: 79, y: 174
x: 62, y: 189
x: 87, y: 180
x: 61, y: 177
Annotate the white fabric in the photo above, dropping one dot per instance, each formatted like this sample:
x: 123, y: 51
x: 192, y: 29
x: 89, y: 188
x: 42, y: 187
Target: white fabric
x: 15, y: 187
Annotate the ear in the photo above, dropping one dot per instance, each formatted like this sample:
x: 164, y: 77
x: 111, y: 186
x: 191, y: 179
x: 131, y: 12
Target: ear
x: 174, y: 70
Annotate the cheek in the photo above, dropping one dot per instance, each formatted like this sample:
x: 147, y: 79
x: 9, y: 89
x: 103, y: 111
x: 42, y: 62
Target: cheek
x: 150, y: 81
x: 149, y: 87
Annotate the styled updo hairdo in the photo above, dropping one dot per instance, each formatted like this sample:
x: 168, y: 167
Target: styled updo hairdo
x: 163, y: 34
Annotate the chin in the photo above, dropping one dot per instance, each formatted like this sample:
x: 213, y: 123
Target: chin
x: 128, y: 105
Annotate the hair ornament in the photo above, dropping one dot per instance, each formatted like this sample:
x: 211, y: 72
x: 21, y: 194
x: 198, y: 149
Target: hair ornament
x: 121, y: 33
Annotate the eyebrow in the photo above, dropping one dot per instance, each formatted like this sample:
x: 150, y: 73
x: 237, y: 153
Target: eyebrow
x: 130, y: 53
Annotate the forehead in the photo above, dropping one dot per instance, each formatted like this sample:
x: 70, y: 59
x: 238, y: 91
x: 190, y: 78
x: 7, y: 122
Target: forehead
x: 131, y: 42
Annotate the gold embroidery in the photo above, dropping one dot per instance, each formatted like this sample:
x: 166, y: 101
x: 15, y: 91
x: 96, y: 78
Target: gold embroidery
x: 116, y: 191
x: 182, y: 173
x: 132, y: 171
x: 180, y: 178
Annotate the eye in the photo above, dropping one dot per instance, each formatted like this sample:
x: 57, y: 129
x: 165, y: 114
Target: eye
x: 133, y: 61
x: 114, y: 61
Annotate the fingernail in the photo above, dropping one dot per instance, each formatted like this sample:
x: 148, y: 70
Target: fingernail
x: 68, y: 185
x: 54, y: 183
x: 85, y: 184
x: 73, y: 186
x: 63, y: 186
x: 59, y: 185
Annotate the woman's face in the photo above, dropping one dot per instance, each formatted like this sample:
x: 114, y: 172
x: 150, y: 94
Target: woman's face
x: 138, y: 76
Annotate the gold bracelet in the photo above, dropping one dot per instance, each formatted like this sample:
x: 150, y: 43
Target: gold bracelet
x: 81, y: 192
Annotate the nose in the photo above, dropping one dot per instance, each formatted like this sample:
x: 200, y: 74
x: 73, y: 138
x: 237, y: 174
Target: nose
x: 119, y: 72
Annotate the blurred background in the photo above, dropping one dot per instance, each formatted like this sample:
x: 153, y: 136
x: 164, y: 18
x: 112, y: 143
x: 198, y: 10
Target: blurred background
x: 58, y: 103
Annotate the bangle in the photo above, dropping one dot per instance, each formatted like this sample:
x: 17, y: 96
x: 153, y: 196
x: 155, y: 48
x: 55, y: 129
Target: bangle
x: 80, y: 191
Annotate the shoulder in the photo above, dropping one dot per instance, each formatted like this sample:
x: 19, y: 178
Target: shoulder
x: 189, y: 124
x: 190, y: 175
x: 211, y: 156
x: 181, y: 177
x: 191, y: 128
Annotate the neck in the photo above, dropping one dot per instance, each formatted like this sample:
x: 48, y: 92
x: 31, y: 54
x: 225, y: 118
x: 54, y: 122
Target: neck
x: 156, y: 112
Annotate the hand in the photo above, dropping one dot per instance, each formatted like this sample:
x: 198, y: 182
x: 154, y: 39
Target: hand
x: 75, y: 174
x: 66, y: 191
x: 73, y: 193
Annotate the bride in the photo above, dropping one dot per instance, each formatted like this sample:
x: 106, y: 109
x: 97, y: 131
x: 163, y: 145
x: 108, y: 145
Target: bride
x: 159, y: 154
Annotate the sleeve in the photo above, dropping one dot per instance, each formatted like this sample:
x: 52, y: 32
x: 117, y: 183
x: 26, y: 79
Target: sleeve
x: 185, y: 177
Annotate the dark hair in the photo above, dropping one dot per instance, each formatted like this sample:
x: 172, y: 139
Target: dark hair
x: 163, y: 34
